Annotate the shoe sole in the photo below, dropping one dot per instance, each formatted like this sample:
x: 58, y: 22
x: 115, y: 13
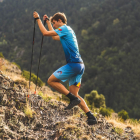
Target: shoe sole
x: 75, y: 102
x: 91, y: 122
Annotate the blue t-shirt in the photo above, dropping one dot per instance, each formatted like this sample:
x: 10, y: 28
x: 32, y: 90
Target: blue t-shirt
x: 69, y: 44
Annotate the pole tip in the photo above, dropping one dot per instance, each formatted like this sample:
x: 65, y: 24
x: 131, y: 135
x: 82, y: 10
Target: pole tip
x: 35, y: 92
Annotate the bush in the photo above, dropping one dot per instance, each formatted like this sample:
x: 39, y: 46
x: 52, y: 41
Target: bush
x: 123, y: 114
x: 106, y: 111
x: 26, y: 74
x: 95, y: 100
x: 100, y: 101
x: 28, y: 111
x: 1, y: 55
x: 111, y: 110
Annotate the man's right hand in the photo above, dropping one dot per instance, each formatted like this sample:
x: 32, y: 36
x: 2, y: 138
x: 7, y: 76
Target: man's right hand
x: 45, y: 17
x: 35, y: 14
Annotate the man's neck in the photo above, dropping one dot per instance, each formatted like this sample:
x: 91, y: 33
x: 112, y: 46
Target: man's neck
x: 62, y: 25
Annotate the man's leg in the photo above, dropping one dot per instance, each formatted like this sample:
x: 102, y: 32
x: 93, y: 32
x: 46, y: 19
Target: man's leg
x: 91, y: 119
x: 55, y: 83
x: 74, y: 90
x: 74, y: 97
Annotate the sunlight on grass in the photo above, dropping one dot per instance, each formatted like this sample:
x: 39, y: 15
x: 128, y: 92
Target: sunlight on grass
x: 45, y: 97
x: 28, y: 111
x: 119, y: 123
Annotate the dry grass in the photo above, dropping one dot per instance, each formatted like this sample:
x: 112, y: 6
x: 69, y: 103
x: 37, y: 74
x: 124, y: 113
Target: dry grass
x: 99, y: 137
x: 71, y: 120
x: 16, y: 77
x: 137, y: 137
x: 71, y: 127
x: 28, y: 111
x: 74, y: 117
x: 4, y: 64
x: 45, y: 97
x: 119, y: 123
x: 85, y: 137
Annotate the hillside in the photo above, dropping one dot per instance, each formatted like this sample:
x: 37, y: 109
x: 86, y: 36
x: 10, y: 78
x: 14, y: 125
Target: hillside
x: 108, y: 35
x: 36, y: 117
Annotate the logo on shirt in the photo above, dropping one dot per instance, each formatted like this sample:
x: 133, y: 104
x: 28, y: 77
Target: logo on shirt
x: 60, y: 72
x: 59, y: 29
x: 77, y: 84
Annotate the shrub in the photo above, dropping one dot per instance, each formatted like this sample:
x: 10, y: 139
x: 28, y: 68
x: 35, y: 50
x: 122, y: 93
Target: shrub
x: 123, y: 114
x: 111, y: 110
x: 106, y: 111
x: 1, y: 55
x: 100, y: 101
x: 95, y: 100
x: 28, y: 111
x: 26, y: 74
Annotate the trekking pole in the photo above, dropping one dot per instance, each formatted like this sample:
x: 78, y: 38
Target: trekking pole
x: 39, y: 58
x: 32, y: 52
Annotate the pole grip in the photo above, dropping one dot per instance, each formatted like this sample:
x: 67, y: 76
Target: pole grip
x: 44, y: 22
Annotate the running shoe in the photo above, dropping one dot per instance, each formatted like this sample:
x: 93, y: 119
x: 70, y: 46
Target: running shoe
x: 73, y: 103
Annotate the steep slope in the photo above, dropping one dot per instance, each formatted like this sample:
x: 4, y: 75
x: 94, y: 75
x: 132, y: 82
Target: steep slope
x: 23, y: 117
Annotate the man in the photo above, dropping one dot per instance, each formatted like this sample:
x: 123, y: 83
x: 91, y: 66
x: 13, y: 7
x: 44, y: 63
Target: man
x: 74, y: 68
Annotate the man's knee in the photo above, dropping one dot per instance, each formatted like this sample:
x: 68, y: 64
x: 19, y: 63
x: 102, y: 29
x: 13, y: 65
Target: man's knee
x: 52, y: 79
x: 49, y: 81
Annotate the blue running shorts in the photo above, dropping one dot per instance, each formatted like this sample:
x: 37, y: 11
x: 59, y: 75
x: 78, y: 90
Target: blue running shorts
x: 72, y: 72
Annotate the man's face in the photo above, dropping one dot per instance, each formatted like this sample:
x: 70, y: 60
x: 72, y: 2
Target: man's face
x: 56, y: 24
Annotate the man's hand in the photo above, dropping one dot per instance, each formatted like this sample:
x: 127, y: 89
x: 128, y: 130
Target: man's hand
x: 45, y: 17
x: 35, y: 15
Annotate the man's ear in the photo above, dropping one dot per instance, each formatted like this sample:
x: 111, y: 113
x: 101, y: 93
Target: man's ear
x: 59, y: 20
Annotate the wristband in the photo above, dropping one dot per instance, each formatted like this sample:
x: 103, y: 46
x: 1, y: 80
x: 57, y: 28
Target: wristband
x: 37, y: 18
x: 47, y: 18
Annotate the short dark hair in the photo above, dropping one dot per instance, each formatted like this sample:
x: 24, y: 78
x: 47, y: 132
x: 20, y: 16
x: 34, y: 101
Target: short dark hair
x: 58, y: 16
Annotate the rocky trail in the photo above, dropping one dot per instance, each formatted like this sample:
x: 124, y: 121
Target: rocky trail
x: 49, y: 120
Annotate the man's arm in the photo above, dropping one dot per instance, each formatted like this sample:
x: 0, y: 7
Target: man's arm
x: 44, y: 31
x: 51, y: 29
